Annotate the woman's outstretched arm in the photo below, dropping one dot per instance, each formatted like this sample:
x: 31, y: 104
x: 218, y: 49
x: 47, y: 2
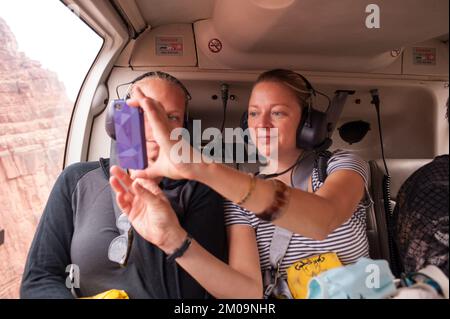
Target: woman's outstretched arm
x: 312, y: 215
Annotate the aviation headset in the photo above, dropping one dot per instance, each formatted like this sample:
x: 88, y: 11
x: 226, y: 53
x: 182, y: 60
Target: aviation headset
x: 312, y: 131
x: 109, y: 123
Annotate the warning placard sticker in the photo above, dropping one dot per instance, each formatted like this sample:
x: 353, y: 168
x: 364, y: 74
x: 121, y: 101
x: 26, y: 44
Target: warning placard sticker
x: 424, y: 56
x: 167, y: 46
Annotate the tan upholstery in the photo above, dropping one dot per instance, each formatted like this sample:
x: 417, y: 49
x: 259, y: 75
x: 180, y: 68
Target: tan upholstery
x: 400, y: 170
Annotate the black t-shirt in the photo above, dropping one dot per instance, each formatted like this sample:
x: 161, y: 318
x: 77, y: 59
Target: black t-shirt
x: 78, y: 225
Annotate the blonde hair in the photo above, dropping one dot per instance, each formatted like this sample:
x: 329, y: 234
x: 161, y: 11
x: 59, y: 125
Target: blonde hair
x: 297, y: 83
x: 162, y: 76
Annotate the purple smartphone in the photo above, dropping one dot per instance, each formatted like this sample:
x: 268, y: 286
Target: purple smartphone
x: 130, y: 136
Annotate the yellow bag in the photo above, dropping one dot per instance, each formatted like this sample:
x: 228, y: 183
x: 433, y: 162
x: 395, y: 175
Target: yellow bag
x: 110, y: 294
x: 300, y: 273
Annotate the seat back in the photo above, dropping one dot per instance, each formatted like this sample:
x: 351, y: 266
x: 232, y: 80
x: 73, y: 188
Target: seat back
x: 400, y: 170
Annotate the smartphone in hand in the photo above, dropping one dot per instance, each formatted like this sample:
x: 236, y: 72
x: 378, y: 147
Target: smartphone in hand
x: 129, y: 129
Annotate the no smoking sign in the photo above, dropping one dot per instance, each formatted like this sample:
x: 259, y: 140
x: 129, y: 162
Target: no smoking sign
x: 215, y: 45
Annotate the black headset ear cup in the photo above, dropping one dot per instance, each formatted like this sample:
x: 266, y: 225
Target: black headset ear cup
x: 313, y: 131
x: 305, y: 112
x: 109, y: 122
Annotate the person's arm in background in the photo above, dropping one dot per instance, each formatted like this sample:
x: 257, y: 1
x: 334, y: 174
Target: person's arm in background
x: 45, y: 270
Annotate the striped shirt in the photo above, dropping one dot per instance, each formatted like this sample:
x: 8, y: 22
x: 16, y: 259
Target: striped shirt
x: 349, y: 241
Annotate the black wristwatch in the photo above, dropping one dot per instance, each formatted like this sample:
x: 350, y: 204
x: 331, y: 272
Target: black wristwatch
x: 181, y: 250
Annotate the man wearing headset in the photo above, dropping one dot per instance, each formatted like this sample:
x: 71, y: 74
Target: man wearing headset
x: 79, y: 225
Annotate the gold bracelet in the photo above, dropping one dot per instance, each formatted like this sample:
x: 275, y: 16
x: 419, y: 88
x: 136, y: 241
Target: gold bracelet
x: 250, y: 190
x: 279, y: 204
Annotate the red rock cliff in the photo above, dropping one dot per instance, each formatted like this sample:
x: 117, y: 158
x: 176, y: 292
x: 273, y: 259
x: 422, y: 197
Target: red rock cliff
x: 34, y: 117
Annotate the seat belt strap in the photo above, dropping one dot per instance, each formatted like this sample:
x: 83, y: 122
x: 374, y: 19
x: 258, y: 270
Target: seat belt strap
x: 301, y: 176
x: 282, y: 237
x: 278, y: 247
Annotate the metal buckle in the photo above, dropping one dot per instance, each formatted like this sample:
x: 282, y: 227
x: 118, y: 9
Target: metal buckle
x: 274, y: 276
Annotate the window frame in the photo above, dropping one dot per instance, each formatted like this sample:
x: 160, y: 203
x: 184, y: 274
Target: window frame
x: 101, y: 17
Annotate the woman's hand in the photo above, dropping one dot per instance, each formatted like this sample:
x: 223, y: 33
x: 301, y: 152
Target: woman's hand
x: 167, y: 164
x: 148, y: 210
